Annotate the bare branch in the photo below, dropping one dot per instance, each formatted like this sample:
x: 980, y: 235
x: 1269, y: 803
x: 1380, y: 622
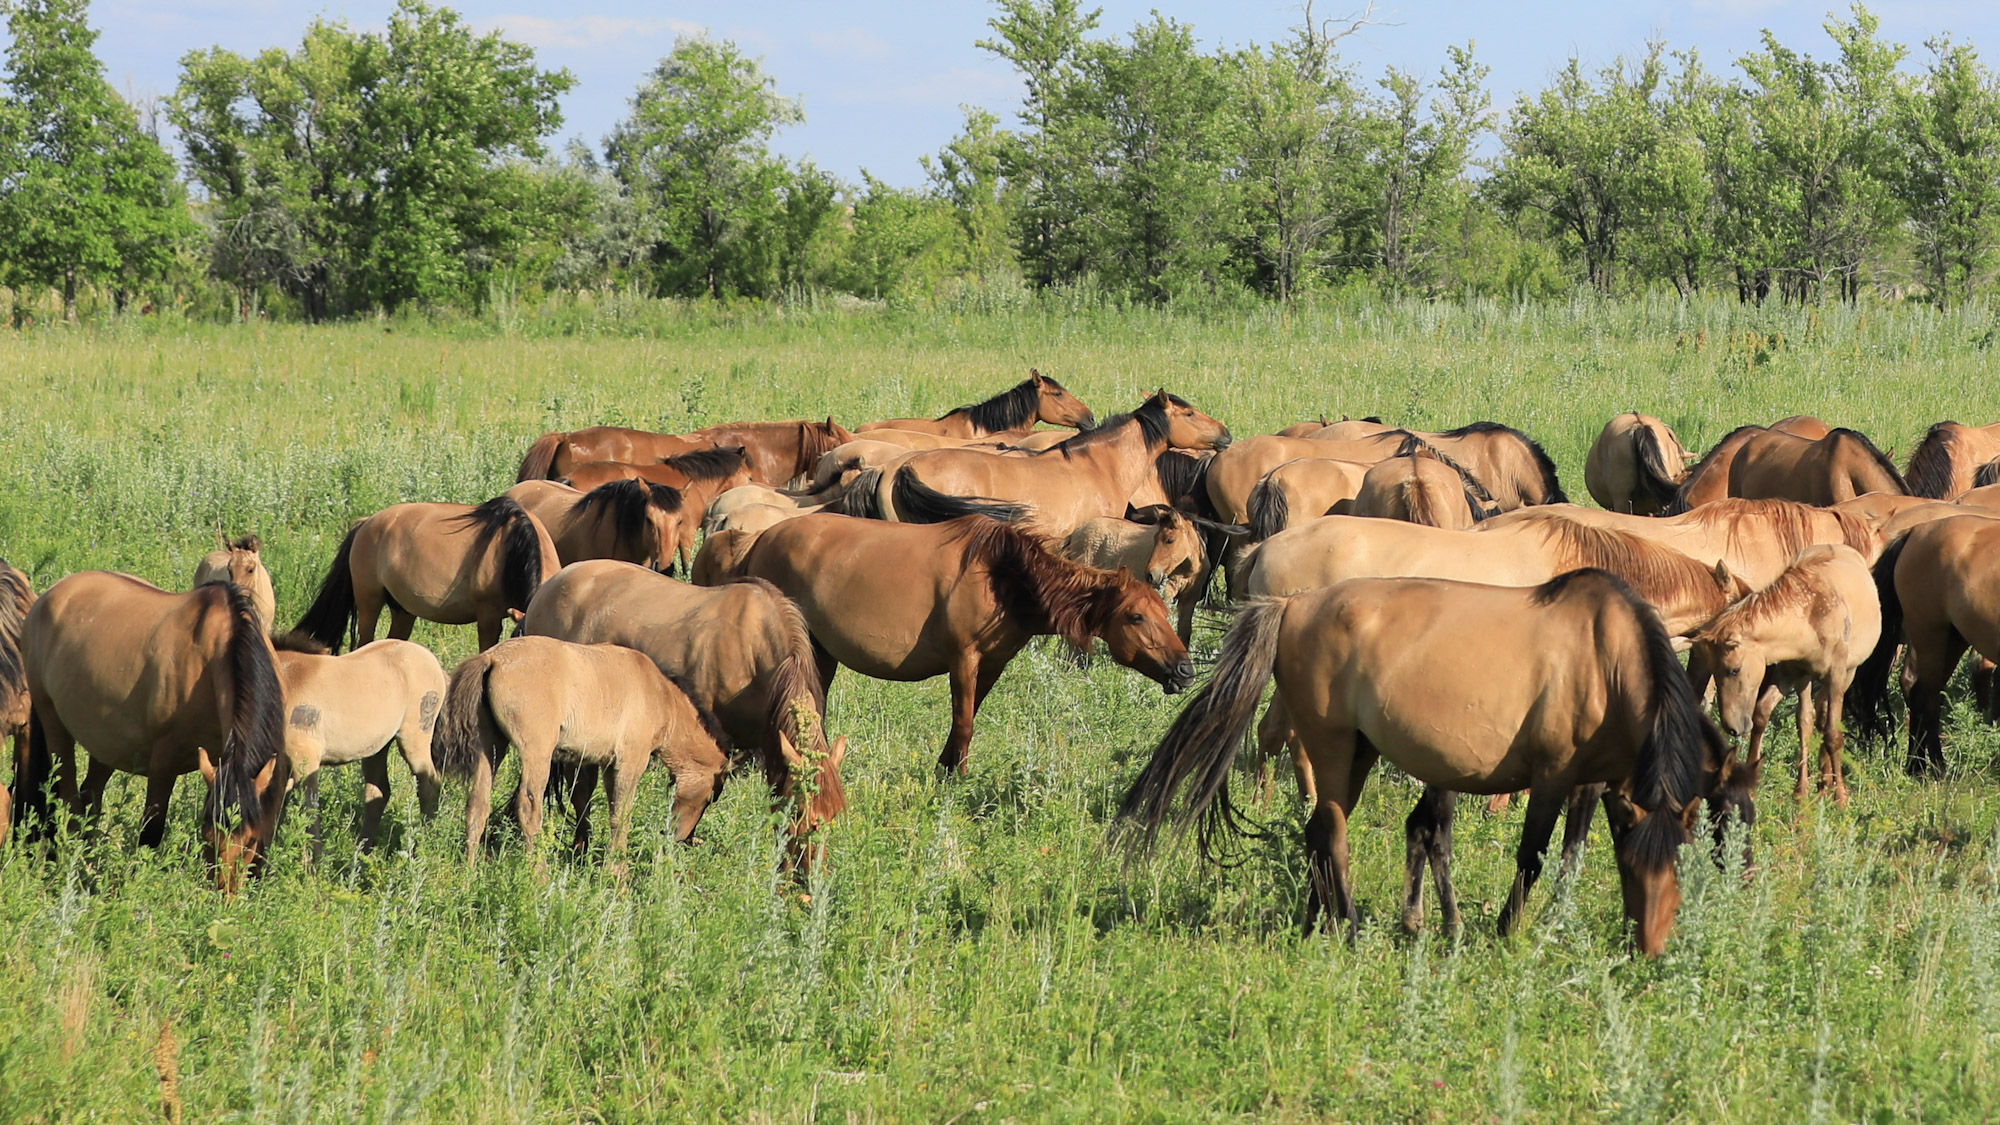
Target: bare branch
x: 1317, y: 37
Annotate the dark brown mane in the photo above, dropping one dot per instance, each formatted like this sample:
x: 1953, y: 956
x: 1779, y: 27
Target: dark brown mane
x: 15, y: 598
x: 1881, y: 459
x: 1151, y: 418
x: 1694, y: 474
x: 1011, y: 409
x: 1039, y: 589
x: 816, y: 440
x: 1930, y: 472
x: 627, y: 506
x: 709, y: 464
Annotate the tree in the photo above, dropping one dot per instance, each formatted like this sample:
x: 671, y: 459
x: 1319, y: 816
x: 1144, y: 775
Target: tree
x: 695, y: 152
x: 1422, y: 160
x: 970, y: 176
x: 1948, y: 125
x: 86, y: 195
x: 1044, y: 39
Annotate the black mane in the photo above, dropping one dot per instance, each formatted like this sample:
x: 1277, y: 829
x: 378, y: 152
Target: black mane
x: 1011, y: 409
x: 1151, y: 418
x: 709, y: 464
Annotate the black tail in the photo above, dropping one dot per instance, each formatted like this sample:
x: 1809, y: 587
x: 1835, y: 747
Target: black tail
x: 1867, y: 701
x: 917, y: 502
x: 521, y: 550
x: 861, y: 498
x: 1931, y: 467
x: 1987, y: 474
x: 1667, y: 775
x: 1269, y: 508
x: 1656, y: 478
x: 331, y: 615
x: 1200, y: 747
x: 256, y: 735
x: 465, y: 731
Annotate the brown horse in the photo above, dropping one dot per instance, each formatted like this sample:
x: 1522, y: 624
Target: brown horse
x: 241, y: 561
x: 1419, y: 488
x: 344, y: 709
x: 960, y: 599
x: 1037, y: 398
x: 1235, y: 472
x: 1090, y: 475
x: 1166, y: 551
x: 449, y: 563
x: 1301, y: 490
x: 632, y: 521
x: 148, y: 682
x: 1940, y: 595
x: 700, y: 477
x: 1635, y: 465
x: 779, y: 451
x: 1510, y: 465
x: 742, y: 647
x: 602, y: 706
x: 1947, y: 461
x: 1755, y: 539
x: 1804, y: 634
x: 757, y: 495
x: 16, y: 595
x: 1469, y: 688
x: 1708, y: 479
x: 1840, y: 466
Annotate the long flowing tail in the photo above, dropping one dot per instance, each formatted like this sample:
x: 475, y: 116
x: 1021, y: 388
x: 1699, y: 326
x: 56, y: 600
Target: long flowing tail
x: 796, y: 716
x: 1270, y: 510
x: 331, y: 614
x: 863, y: 496
x: 466, y: 731
x: 917, y: 502
x: 1657, y: 479
x: 1200, y: 747
x: 256, y: 737
x: 520, y: 547
x: 1867, y: 701
x: 540, y: 462
x: 1417, y: 506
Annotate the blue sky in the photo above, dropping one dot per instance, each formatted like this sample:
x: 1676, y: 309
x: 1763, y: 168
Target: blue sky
x: 882, y: 82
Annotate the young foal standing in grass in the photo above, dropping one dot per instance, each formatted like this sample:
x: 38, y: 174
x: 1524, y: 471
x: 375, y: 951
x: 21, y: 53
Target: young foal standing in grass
x: 1806, y: 633
x: 1479, y: 689
x: 602, y: 706
x: 241, y: 561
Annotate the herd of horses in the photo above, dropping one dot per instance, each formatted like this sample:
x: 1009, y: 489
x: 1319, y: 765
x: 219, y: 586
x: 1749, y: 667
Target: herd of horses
x: 1431, y: 599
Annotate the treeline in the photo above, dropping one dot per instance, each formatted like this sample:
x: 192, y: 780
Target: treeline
x: 410, y: 167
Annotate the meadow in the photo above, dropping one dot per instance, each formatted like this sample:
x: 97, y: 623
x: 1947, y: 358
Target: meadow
x: 972, y: 951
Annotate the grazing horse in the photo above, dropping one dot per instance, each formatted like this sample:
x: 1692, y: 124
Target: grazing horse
x: 746, y: 655
x: 159, y: 685
x: 1947, y: 461
x: 16, y: 595
x: 449, y: 563
x: 1635, y: 465
x: 909, y: 602
x: 240, y: 561
x: 603, y: 706
x: 1469, y: 688
x: 1940, y: 594
x: 1820, y: 471
x: 700, y: 477
x: 1756, y: 539
x: 1419, y: 488
x: 1806, y: 634
x: 1708, y: 479
x: 633, y: 521
x: 1166, y: 551
x: 778, y: 451
x: 1235, y: 472
x: 756, y: 495
x: 342, y: 709
x: 1300, y: 490
x: 1092, y: 474
x: 1511, y: 466
x: 1015, y: 410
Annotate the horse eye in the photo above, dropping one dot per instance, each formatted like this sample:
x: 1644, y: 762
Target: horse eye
x: 1137, y: 619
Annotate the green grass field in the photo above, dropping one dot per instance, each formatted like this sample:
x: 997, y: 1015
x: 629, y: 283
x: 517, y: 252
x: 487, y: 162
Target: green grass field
x: 972, y: 951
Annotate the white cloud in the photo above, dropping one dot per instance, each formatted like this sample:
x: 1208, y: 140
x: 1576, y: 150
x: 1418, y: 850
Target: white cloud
x: 586, y: 31
x: 957, y: 86
x: 851, y: 41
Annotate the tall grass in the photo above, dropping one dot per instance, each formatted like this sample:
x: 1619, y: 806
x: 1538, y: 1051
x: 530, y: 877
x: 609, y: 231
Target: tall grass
x: 971, y: 951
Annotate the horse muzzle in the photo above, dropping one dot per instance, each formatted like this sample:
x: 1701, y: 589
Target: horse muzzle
x: 1179, y: 678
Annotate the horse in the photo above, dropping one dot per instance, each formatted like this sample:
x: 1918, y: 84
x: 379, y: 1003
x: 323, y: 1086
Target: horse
x: 757, y: 495
x: 721, y: 553
x: 240, y: 561
x: 700, y: 478
x: 1235, y: 472
x: 778, y: 451
x: 1166, y: 551
x: 1344, y: 430
x: 343, y: 709
x: 1940, y: 594
x: 746, y: 655
x: 1419, y: 488
x: 1469, y: 688
x: 908, y: 602
x: 1806, y: 633
x: 1840, y: 466
x: 1092, y: 474
x: 1756, y: 539
x: 1037, y: 398
x: 633, y: 521
x: 16, y: 595
x: 755, y: 518
x: 1635, y: 465
x: 1946, y: 462
x: 599, y: 705
x: 1511, y: 466
x: 1300, y: 490
x: 1707, y: 479
x: 454, y: 564
x: 149, y: 682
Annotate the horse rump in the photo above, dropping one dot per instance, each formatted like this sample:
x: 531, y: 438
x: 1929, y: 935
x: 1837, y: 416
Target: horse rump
x: 521, y: 549
x: 1270, y: 510
x: 540, y: 462
x: 917, y: 502
x: 1656, y: 478
x: 466, y: 731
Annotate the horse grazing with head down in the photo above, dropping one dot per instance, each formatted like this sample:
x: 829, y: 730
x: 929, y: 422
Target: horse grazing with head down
x: 633, y: 521
x: 779, y: 452
x: 1947, y: 461
x: 1471, y: 688
x: 1708, y: 479
x: 909, y: 602
x: 1819, y: 471
x: 1636, y: 465
x: 16, y: 595
x: 1015, y: 410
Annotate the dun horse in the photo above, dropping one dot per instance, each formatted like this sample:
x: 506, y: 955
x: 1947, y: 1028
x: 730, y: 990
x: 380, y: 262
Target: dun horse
x: 1037, y: 398
x: 344, y: 709
x: 449, y: 563
x: 159, y: 685
x: 601, y: 706
x: 1635, y: 465
x: 1840, y: 466
x: 1469, y: 688
x: 1419, y: 488
x: 241, y: 561
x: 1947, y: 461
x: 16, y: 595
x: 1514, y: 470
x: 1301, y: 490
x: 1756, y: 539
x: 959, y: 599
x: 632, y: 521
x: 1166, y: 552
x: 779, y: 451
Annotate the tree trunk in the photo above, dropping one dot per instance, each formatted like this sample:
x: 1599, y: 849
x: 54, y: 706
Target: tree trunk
x: 69, y: 294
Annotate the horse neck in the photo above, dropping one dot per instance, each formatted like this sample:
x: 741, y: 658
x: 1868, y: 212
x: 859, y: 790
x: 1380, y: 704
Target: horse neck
x: 1125, y: 458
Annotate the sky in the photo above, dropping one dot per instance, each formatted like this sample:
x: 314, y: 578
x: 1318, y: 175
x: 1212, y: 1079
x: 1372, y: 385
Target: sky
x: 882, y: 82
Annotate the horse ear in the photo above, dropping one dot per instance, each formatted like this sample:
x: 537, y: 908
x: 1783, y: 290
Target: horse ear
x: 837, y: 751
x: 1160, y: 396
x: 1722, y: 576
x: 1036, y: 376
x: 206, y: 764
x: 518, y: 616
x: 250, y: 543
x: 785, y: 748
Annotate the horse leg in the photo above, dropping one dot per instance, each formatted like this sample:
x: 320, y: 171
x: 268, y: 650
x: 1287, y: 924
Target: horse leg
x: 1184, y: 607
x: 581, y: 790
x: 827, y: 665
x: 1340, y: 767
x: 413, y: 738
x: 310, y: 804
x: 368, y: 605
x: 1427, y: 841
x: 374, y: 794
x: 401, y: 623
x: 621, y: 784
x: 1447, y: 812
x: 1927, y: 669
x: 1545, y: 801
x: 1805, y: 724
x: 964, y: 705
x: 1982, y: 689
x: 478, y: 805
x: 1832, y: 739
x: 159, y: 795
x: 1274, y: 730
x: 91, y: 797
x: 1576, y: 823
x: 1498, y: 803
x: 528, y: 796
x: 489, y: 628
x: 1760, y: 719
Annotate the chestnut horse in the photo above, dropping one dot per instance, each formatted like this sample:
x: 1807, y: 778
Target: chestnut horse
x: 744, y: 651
x: 632, y: 521
x: 779, y: 451
x: 159, y: 685
x: 908, y: 602
x: 1636, y: 465
x: 1479, y: 689
x: 1840, y: 466
x: 449, y: 563
x: 240, y: 561
x: 1037, y: 398
x: 16, y: 595
x: 1708, y: 479
x: 1947, y: 461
